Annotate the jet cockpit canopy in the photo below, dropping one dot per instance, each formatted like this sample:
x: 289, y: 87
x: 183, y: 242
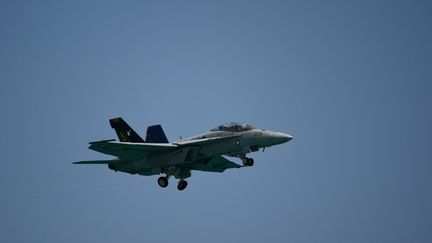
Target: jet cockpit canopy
x: 233, y: 127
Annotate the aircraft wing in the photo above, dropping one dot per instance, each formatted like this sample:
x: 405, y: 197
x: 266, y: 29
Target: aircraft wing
x: 138, y: 151
x: 215, y: 164
x: 130, y: 151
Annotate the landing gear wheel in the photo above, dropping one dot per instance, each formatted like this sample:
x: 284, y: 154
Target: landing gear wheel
x: 182, y: 185
x: 248, y: 161
x: 163, y: 181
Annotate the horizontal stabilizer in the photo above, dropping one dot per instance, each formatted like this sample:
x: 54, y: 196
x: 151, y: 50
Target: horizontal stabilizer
x: 103, y: 141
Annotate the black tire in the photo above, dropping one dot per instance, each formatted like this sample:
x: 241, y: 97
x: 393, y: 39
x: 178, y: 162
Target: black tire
x: 182, y: 185
x: 248, y: 161
x: 163, y: 181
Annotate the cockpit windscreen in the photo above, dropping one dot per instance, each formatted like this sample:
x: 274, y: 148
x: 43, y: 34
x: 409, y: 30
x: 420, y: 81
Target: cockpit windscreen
x: 233, y: 127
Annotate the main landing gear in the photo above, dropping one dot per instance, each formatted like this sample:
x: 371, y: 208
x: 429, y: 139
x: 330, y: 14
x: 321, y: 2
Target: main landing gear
x: 182, y: 185
x: 163, y: 182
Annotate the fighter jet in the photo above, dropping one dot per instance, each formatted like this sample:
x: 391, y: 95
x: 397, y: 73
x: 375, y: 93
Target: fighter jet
x: 204, y: 152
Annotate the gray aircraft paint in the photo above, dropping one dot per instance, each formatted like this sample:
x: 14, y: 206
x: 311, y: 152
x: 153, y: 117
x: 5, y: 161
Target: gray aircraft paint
x: 201, y: 152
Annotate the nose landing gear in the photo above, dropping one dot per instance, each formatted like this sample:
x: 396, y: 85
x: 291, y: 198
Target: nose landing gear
x: 247, y: 161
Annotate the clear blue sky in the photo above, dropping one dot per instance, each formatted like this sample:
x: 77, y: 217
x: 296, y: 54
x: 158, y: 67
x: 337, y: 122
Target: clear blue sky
x: 350, y: 80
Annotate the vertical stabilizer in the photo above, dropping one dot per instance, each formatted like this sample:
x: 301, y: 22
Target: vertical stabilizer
x: 124, y: 132
x: 155, y: 134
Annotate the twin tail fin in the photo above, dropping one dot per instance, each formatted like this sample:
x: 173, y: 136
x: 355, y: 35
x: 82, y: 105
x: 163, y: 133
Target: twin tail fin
x: 125, y: 133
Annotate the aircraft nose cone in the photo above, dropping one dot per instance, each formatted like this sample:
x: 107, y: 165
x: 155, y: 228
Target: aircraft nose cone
x: 279, y: 138
x: 285, y: 137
